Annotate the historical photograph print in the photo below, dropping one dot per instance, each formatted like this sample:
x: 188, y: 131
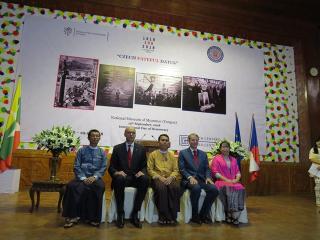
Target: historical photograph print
x: 204, y: 95
x: 115, y: 86
x: 76, y: 83
x: 158, y: 90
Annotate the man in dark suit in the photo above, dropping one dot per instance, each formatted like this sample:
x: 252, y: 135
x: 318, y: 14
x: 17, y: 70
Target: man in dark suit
x: 196, y: 175
x: 128, y: 169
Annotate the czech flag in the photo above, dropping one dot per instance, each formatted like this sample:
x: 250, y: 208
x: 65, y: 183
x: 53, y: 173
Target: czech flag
x: 254, y: 153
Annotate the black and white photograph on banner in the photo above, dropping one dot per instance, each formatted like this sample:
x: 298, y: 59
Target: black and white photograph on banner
x: 204, y: 95
x: 115, y: 86
x: 76, y: 83
x: 158, y: 90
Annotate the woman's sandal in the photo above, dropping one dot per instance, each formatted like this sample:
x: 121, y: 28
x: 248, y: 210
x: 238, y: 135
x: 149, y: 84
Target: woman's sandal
x: 229, y: 220
x: 68, y: 224
x: 173, y: 222
x: 95, y: 224
x: 75, y: 220
x: 235, y: 222
x: 162, y: 222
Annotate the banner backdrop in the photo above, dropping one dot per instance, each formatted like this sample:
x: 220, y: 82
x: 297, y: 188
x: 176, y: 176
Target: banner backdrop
x: 91, y: 76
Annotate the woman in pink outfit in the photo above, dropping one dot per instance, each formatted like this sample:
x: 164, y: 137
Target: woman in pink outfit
x: 225, y: 170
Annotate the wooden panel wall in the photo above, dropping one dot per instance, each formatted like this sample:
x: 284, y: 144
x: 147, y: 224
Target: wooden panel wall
x: 278, y: 178
x: 274, y: 177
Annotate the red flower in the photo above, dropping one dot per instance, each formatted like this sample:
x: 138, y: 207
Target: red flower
x: 10, y: 5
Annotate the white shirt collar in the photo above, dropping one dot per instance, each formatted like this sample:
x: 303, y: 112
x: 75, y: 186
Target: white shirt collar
x: 193, y: 149
x: 131, y: 145
x: 163, y: 152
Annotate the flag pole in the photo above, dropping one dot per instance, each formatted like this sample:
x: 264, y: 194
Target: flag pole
x: 254, y: 152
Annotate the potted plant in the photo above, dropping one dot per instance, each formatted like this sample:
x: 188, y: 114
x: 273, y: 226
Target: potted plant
x: 57, y: 140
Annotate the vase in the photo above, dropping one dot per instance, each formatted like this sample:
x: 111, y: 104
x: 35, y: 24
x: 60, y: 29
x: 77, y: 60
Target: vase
x: 54, y: 164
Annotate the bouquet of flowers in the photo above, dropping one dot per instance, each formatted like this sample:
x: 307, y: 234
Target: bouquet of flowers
x: 236, y: 149
x: 57, y: 140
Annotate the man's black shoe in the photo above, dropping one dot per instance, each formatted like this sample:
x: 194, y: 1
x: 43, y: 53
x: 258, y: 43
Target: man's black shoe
x: 135, y: 220
x: 195, y: 220
x: 206, y: 220
x: 120, y: 221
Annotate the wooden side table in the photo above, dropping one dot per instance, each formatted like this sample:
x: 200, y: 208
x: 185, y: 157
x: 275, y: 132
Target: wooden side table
x: 46, y: 186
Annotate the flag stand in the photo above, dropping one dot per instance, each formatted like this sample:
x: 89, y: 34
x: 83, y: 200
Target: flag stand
x: 10, y: 180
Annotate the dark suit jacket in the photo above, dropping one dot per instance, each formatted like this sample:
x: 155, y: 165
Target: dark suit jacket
x: 119, y: 160
x: 188, y: 167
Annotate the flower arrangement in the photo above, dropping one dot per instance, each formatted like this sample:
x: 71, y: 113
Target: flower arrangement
x: 57, y: 140
x: 236, y: 149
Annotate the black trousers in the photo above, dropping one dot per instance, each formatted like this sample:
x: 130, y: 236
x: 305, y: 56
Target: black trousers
x: 84, y: 201
x: 141, y: 184
x: 167, y: 199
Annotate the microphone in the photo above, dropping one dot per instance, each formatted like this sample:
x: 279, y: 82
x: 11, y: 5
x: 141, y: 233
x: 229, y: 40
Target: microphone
x: 154, y: 138
x: 139, y: 140
x: 143, y: 136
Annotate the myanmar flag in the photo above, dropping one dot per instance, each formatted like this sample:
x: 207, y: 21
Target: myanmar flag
x: 11, y: 137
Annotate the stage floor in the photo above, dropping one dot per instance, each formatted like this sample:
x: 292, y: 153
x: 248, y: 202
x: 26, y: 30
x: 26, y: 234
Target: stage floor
x: 270, y: 217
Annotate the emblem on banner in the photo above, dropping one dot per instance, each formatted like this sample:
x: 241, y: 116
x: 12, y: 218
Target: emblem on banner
x: 183, y: 140
x: 215, y: 54
x: 68, y: 31
x: 148, y: 44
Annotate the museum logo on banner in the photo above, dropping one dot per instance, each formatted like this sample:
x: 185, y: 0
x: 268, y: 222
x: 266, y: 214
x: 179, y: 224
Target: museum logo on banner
x: 204, y: 141
x: 215, y: 54
x: 148, y: 44
x: 73, y: 32
x: 68, y: 31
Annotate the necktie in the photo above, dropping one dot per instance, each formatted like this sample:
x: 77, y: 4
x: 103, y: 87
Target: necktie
x: 195, y: 158
x: 129, y: 156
